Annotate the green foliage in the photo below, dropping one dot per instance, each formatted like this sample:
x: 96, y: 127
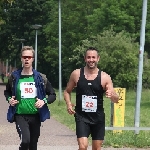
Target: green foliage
x: 118, y: 56
x: 146, y: 71
x: 81, y: 21
x: 120, y: 13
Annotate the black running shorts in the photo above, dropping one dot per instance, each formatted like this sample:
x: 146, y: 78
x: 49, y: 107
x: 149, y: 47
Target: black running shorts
x: 84, y: 129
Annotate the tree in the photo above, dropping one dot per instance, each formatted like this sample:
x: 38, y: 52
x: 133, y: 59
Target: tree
x: 18, y: 21
x: 118, y: 56
x: 121, y: 13
x: 80, y: 20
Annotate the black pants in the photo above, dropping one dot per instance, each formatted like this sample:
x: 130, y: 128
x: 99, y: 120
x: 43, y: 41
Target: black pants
x: 28, y: 128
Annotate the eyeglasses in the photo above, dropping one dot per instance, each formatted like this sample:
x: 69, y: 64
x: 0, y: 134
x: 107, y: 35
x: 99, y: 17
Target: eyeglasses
x: 25, y: 57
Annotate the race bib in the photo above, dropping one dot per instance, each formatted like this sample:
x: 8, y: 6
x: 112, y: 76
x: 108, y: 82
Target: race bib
x: 28, y: 90
x: 89, y: 103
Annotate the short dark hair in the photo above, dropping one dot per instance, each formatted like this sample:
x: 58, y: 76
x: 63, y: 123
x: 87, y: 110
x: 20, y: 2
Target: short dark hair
x: 91, y: 49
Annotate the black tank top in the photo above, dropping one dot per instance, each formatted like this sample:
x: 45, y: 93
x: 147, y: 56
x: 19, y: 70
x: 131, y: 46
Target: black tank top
x: 89, y: 88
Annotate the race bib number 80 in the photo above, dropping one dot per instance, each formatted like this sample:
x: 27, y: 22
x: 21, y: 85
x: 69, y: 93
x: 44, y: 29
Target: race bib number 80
x: 28, y: 90
x: 89, y: 103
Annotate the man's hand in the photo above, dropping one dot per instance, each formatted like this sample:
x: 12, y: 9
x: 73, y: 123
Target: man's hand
x: 111, y: 94
x: 70, y: 109
x: 39, y: 103
x: 12, y: 101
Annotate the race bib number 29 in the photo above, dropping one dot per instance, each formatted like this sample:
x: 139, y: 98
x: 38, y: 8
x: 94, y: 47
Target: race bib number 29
x: 89, y: 103
x: 28, y: 90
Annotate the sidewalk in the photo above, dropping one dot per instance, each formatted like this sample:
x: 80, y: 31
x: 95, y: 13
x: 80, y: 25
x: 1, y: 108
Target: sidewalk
x: 54, y: 135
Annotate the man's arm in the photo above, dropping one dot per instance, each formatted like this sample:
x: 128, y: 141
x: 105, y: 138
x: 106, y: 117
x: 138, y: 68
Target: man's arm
x: 50, y: 92
x: 8, y: 91
x: 110, y: 92
x: 70, y: 86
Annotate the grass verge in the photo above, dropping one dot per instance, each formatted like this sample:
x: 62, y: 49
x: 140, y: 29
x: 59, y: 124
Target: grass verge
x: 124, y: 139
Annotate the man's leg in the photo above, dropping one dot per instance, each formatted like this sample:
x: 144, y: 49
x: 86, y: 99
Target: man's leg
x: 83, y: 143
x: 35, y: 125
x: 82, y: 132
x: 22, y: 127
x: 97, y: 144
x: 97, y: 133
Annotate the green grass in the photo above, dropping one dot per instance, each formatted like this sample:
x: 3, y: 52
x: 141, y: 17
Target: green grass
x: 5, y: 79
x: 124, y: 139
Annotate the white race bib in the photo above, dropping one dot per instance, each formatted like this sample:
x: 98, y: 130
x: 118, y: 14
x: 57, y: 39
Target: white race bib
x: 28, y: 90
x: 89, y: 103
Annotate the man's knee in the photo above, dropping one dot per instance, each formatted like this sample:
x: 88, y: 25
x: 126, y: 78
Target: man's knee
x: 83, y: 143
x: 25, y: 141
x: 24, y: 145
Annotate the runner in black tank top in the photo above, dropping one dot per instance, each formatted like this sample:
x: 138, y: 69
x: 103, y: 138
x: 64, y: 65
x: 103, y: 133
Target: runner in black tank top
x: 91, y: 88
x: 89, y: 113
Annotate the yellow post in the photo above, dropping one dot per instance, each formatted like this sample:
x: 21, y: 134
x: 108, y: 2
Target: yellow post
x: 119, y: 110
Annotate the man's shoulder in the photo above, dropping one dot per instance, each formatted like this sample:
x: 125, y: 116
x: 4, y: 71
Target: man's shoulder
x: 105, y: 75
x: 18, y: 71
x: 76, y: 70
x: 42, y: 74
x: 44, y: 79
x: 75, y: 73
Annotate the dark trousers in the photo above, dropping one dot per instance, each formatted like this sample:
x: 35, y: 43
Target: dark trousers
x: 28, y: 128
